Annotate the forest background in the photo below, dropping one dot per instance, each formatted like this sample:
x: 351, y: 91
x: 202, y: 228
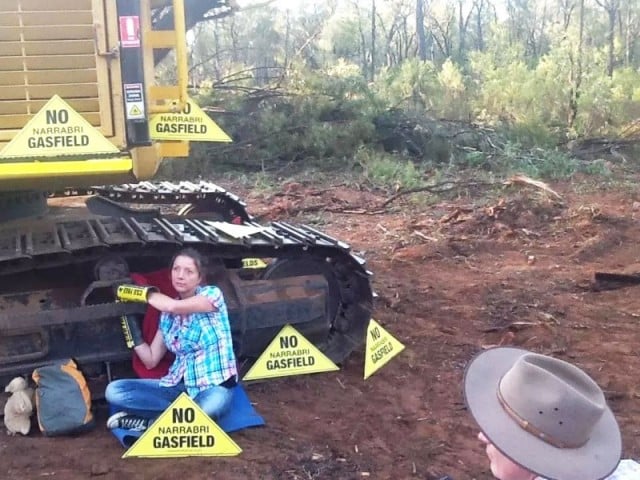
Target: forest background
x: 411, y: 93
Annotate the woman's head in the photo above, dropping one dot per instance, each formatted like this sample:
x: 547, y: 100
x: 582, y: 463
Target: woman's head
x: 540, y: 416
x: 187, y: 271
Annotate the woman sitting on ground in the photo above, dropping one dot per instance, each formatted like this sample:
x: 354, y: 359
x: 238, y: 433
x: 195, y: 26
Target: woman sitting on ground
x: 195, y: 327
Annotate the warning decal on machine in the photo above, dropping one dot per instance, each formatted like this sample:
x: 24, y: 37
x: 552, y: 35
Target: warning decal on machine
x: 134, y: 101
x: 289, y: 354
x: 129, y: 31
x: 57, y: 130
x: 381, y: 347
x: 183, y: 430
x: 190, y: 124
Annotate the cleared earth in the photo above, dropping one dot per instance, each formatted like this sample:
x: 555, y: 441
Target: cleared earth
x: 452, y: 278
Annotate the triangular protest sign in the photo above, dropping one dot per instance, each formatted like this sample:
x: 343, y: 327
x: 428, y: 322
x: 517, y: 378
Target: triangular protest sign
x: 381, y: 347
x: 190, y: 124
x: 289, y: 354
x: 183, y: 430
x: 57, y: 130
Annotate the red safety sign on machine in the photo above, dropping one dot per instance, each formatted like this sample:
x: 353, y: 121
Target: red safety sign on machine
x: 129, y: 31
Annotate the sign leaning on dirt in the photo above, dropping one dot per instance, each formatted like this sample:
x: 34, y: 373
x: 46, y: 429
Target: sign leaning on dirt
x: 289, y: 353
x: 183, y: 430
x: 381, y: 347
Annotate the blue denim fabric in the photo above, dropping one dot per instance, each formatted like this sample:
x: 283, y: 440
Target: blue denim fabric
x: 147, y: 398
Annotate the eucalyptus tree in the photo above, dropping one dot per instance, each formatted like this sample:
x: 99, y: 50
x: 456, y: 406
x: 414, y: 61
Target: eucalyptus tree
x: 630, y: 31
x: 612, y: 8
x: 441, y: 18
x: 397, y: 23
x: 420, y: 34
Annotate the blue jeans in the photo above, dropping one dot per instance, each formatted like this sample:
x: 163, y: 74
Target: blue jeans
x: 145, y: 397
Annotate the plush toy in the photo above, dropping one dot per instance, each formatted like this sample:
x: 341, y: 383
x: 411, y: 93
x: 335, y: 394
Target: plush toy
x: 19, y: 407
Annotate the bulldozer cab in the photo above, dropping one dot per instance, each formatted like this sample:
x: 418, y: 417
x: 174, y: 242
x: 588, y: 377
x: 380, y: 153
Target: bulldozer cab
x: 78, y: 91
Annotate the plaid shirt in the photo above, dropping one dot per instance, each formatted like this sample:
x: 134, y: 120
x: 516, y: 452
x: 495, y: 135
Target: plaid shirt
x: 202, y: 345
x: 627, y: 470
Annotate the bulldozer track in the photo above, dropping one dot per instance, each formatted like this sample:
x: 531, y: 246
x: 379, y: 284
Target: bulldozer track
x: 200, y: 196
x: 62, y: 243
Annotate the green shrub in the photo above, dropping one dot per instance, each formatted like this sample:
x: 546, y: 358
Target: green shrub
x: 388, y: 170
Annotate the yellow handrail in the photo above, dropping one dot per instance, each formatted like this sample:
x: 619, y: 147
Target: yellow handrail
x: 176, y: 39
x: 181, y: 50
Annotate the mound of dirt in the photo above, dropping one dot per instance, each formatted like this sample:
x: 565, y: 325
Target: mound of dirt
x: 506, y: 218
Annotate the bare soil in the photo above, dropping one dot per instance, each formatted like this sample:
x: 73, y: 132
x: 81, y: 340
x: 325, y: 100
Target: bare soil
x: 452, y: 278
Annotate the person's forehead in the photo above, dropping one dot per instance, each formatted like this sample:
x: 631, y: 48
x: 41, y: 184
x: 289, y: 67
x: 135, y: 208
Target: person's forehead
x: 184, y: 261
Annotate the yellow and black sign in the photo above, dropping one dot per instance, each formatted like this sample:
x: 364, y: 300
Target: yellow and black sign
x: 190, y: 124
x: 381, y: 347
x: 183, y: 430
x: 289, y: 354
x: 253, y: 263
x: 57, y: 130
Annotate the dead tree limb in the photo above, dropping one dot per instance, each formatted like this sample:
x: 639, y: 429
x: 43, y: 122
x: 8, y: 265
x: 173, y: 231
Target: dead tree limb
x: 435, y: 188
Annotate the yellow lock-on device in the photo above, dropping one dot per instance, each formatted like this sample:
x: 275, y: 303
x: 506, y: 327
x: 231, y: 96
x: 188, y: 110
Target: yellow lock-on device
x: 134, y: 293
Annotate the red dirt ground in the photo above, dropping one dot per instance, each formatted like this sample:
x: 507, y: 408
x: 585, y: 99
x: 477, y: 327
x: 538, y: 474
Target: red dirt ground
x: 452, y: 278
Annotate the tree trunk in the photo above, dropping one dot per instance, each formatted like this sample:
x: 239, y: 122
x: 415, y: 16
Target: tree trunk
x: 422, y: 39
x: 287, y: 39
x: 373, y: 40
x: 611, y: 7
x: 479, y: 6
x: 611, y: 34
x: 462, y: 27
x: 627, y: 37
x: 576, y: 72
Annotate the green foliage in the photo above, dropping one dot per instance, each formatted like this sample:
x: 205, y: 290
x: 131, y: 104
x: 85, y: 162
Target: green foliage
x: 319, y: 117
x: 598, y: 168
x: 388, y: 170
x: 339, y: 37
x: 503, y: 94
x: 454, y: 102
x: 474, y: 159
x: 324, y: 113
x: 534, y: 100
x: 413, y: 85
x: 531, y: 135
x: 539, y: 163
x: 608, y: 104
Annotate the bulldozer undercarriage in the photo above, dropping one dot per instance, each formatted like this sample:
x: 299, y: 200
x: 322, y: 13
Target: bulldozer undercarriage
x: 58, y: 275
x: 201, y: 197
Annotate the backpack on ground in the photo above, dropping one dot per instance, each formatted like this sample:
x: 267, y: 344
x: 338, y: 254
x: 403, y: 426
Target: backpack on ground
x: 63, y: 400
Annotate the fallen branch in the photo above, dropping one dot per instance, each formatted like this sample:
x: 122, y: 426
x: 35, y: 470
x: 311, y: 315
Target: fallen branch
x: 455, y: 214
x: 523, y: 179
x: 426, y: 237
x: 435, y: 188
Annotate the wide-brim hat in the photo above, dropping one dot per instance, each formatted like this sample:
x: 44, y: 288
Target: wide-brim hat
x: 535, y: 410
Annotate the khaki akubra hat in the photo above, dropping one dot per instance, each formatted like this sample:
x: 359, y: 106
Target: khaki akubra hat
x: 545, y: 414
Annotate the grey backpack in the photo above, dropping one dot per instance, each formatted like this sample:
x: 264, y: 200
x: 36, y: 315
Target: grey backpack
x: 63, y: 400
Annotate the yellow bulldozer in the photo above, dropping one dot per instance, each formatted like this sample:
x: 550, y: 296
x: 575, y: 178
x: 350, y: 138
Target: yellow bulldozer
x: 80, y: 107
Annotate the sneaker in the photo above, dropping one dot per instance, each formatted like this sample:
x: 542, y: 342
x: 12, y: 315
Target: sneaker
x: 128, y: 422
